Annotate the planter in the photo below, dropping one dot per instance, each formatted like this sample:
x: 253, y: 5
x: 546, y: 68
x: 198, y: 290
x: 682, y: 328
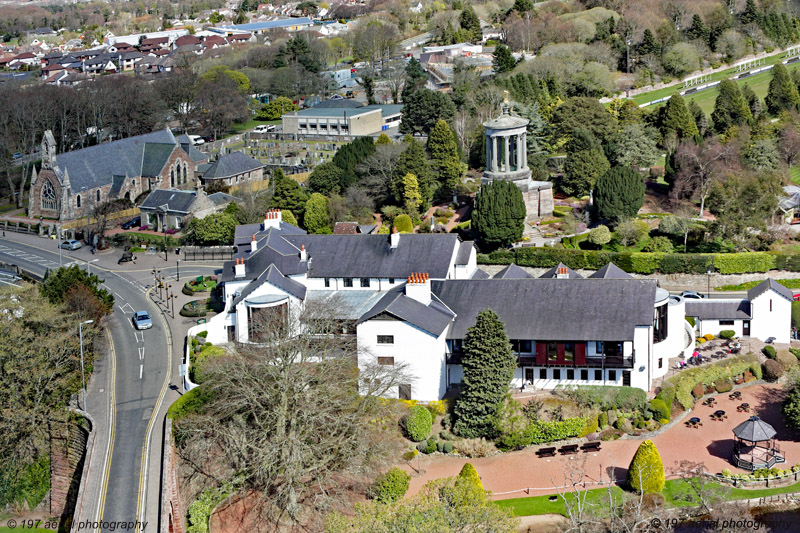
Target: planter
x: 553, y: 498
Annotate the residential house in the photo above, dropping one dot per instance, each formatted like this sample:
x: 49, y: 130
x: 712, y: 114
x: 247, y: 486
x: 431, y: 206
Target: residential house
x: 24, y: 60
x: 167, y: 209
x: 232, y: 169
x: 100, y: 64
x: 185, y: 40
x: 266, y: 26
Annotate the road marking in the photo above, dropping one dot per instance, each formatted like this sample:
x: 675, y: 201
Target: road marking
x: 124, y: 308
x: 112, y: 410
x: 141, y: 353
x: 140, y: 508
x: 140, y: 371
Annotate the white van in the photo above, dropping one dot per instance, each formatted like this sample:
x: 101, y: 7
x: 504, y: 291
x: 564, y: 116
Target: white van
x: 264, y: 128
x: 196, y: 140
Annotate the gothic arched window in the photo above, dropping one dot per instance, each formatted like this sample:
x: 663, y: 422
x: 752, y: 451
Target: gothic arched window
x: 184, y: 173
x: 78, y: 201
x: 97, y: 196
x: 172, y: 177
x: 49, y: 198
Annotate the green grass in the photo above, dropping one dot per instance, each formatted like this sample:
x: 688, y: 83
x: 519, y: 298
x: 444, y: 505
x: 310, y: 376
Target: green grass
x: 727, y: 73
x: 673, y: 488
x: 250, y: 124
x: 794, y: 174
x: 788, y: 283
x: 19, y: 528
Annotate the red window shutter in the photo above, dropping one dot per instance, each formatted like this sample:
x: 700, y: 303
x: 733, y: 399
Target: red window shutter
x: 541, y: 353
x: 580, y: 354
x: 560, y: 352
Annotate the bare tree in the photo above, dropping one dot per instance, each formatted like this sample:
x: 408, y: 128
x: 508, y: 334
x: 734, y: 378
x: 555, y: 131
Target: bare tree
x: 698, y: 487
x: 700, y: 167
x: 572, y: 490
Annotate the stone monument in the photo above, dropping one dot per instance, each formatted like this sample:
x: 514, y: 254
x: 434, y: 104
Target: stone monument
x: 507, y: 159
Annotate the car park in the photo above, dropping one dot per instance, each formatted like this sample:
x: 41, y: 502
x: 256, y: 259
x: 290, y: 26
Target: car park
x: 71, y: 244
x: 132, y: 223
x: 142, y: 320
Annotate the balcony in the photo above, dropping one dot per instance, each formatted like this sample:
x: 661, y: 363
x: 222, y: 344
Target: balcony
x: 608, y: 361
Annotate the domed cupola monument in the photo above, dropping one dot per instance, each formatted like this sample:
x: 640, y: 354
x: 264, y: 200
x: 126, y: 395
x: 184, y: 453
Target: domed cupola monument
x: 507, y: 159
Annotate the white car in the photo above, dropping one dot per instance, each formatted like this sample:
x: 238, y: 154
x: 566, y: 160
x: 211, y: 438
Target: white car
x: 196, y: 140
x: 264, y: 128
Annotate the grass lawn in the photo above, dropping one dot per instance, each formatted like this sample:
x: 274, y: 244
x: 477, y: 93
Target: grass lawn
x: 673, y: 488
x: 19, y: 528
x: 746, y: 286
x: 794, y: 175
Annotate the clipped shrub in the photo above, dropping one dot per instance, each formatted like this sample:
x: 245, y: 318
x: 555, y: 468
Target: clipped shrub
x: 698, y: 391
x: 474, y: 447
x: 446, y: 435
x: 430, y: 445
x: 403, y: 224
x: 602, y: 420
x: 646, y: 471
x: 540, y: 432
x: 690, y: 320
x: 786, y: 359
x: 448, y: 447
x: 469, y: 475
x: 437, y: 408
x: 590, y: 427
x: 203, y: 334
x: 667, y: 394
x: 391, y: 486
x: 723, y: 385
x: 727, y: 334
x: 189, y: 402
x: 659, y: 409
x: 709, y: 337
x: 769, y: 351
x: 418, y: 423
x: 773, y: 370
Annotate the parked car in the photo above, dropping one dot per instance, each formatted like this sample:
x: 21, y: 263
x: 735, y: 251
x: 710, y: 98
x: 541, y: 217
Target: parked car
x: 132, y: 223
x: 692, y: 295
x: 142, y: 320
x: 797, y: 297
x: 17, y: 155
x: 71, y: 244
x: 264, y: 128
x: 208, y: 139
x: 196, y: 140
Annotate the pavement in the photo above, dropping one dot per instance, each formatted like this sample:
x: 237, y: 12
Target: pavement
x: 134, y: 383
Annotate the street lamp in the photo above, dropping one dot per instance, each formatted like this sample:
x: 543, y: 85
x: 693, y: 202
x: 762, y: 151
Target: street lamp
x: 83, y: 375
x: 178, y: 269
x: 708, y: 274
x: 164, y: 208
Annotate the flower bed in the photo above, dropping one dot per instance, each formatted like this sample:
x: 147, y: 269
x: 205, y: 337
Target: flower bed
x: 200, y: 284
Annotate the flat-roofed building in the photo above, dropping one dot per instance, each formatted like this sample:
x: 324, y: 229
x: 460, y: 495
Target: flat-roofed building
x: 367, y: 120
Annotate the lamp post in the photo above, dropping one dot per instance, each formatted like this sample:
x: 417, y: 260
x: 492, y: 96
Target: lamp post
x: 178, y: 270
x: 164, y: 208
x: 708, y: 276
x: 58, y: 233
x: 83, y: 375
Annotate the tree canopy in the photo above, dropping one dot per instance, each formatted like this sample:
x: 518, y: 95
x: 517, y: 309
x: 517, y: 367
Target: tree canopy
x: 618, y: 194
x: 423, y: 109
x: 499, y: 214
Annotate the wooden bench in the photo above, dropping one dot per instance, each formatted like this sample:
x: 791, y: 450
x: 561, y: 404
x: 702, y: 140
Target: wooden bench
x: 569, y: 449
x: 591, y: 447
x: 546, y: 452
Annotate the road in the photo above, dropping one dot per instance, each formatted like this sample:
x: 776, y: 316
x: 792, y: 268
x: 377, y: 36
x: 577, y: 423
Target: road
x: 142, y: 369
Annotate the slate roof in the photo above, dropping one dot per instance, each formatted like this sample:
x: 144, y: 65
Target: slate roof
x: 709, y: 309
x: 274, y: 276
x: 188, y: 147
x: 270, y: 24
x: 553, y: 272
x: 95, y: 166
x: 338, y: 103
x: 512, y: 271
x: 369, y: 256
x: 766, y: 285
x: 553, y: 309
x: 610, y: 271
x: 754, y: 430
x: 272, y: 249
x: 464, y: 252
x: 231, y: 165
x: 155, y: 157
x: 480, y: 274
x: 176, y: 201
x: 220, y: 198
x: 432, y: 318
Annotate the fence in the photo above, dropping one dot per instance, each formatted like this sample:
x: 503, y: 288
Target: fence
x: 116, y: 215
x: 20, y: 227
x: 201, y: 253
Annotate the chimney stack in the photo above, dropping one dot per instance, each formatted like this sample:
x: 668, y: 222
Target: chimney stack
x: 272, y: 219
x: 238, y: 270
x: 394, y: 238
x: 418, y: 288
x: 253, y: 245
x: 562, y: 273
x: 303, y: 253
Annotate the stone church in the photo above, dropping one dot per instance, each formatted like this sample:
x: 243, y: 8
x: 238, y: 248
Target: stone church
x: 72, y: 184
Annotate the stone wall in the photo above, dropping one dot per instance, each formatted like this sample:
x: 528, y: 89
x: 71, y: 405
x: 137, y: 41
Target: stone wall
x: 67, y: 454
x: 172, y: 509
x: 538, y: 203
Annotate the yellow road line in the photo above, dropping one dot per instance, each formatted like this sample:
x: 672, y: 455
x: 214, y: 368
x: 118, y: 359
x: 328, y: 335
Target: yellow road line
x: 112, y: 424
x: 146, y: 445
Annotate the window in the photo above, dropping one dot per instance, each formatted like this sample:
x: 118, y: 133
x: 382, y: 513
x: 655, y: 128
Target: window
x: 570, y: 374
x: 391, y: 281
x: 660, y: 362
x: 78, y: 201
x: 612, y: 375
x: 386, y: 361
x: 97, y: 194
x: 49, y: 200
x: 327, y: 282
x: 133, y: 184
x: 598, y: 375
x: 660, y: 324
x: 598, y: 347
x: 569, y: 351
x: 521, y: 345
x: 404, y: 391
x: 542, y: 373
x: 348, y: 282
x: 584, y: 375
x: 551, y: 351
x: 385, y: 339
x: 455, y: 345
x: 184, y: 173
x: 726, y: 322
x: 172, y: 177
x: 556, y: 373
x: 364, y: 282
x: 770, y: 305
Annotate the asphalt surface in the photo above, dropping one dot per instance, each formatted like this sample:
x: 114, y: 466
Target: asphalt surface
x: 143, y: 366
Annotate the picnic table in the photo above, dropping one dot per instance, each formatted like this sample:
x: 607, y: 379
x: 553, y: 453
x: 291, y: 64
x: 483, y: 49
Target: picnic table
x: 719, y: 415
x: 710, y: 401
x: 568, y: 449
x: 546, y: 452
x: 735, y: 395
x: 743, y: 407
x: 694, y: 422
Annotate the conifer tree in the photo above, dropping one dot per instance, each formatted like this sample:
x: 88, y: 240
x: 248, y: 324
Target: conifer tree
x: 414, y: 161
x: 502, y: 60
x: 585, y: 163
x: 499, y: 215
x: 649, y: 45
x: 677, y: 118
x: 646, y: 472
x: 782, y: 94
x: 730, y: 108
x: 288, y: 194
x: 697, y: 30
x: 351, y: 154
x: 316, y: 218
x: 750, y: 14
x: 471, y: 24
x: 408, y: 189
x: 618, y: 194
x: 443, y: 152
x: 700, y: 117
x: 489, y: 365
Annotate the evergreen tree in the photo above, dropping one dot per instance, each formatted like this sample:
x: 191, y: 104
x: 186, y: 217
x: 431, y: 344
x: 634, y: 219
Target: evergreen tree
x: 369, y: 89
x: 730, y: 108
x: 618, y: 194
x: 700, y: 118
x: 585, y: 163
x: 423, y: 109
x: 415, y: 78
x: 316, y: 218
x: 697, y: 30
x: 583, y: 139
x: 782, y: 93
x: 288, y: 194
x: 488, y: 365
x: 676, y: 118
x: 636, y: 146
x: 443, y: 152
x: 325, y: 178
x: 403, y: 224
x: 750, y: 14
x: 414, y: 161
x: 646, y: 471
x: 499, y: 214
x: 351, y: 154
x: 407, y: 190
x: 502, y: 60
x: 523, y: 6
x: 648, y: 45
x: 753, y: 101
x: 471, y: 24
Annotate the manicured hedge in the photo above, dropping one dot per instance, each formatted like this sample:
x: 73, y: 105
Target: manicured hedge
x: 687, y: 379
x: 625, y: 398
x: 659, y: 409
x: 645, y: 262
x: 540, y: 432
x: 391, y: 486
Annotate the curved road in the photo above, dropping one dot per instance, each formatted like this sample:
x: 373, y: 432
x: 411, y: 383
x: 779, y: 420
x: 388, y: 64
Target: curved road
x: 141, y: 363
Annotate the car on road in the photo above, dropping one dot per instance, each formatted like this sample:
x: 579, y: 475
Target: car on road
x: 264, y: 128
x: 132, y: 223
x: 17, y: 155
x: 71, y: 244
x: 208, y: 139
x: 142, y: 320
x: 196, y: 140
x: 692, y: 295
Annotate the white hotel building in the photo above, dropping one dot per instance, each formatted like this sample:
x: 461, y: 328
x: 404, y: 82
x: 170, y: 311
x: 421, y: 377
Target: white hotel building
x: 411, y: 298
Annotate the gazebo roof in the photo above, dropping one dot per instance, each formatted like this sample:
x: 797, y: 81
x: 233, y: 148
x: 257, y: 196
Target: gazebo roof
x: 506, y: 121
x: 754, y: 430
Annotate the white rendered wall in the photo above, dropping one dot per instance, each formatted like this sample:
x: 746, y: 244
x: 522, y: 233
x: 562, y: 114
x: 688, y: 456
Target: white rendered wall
x: 641, y: 373
x: 674, y: 344
x: 713, y: 327
x: 775, y: 323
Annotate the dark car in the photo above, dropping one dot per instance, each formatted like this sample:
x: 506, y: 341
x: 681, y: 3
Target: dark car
x: 208, y: 139
x: 132, y: 223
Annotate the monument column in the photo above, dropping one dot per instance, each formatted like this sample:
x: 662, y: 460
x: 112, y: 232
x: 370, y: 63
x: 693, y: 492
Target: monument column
x: 506, y: 167
x: 493, y: 139
x: 524, y: 149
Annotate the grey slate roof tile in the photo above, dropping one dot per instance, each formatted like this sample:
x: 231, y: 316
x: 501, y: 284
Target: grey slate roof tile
x: 766, y: 285
x: 231, y: 165
x: 177, y: 201
x: 433, y: 318
x: 274, y: 276
x: 553, y: 272
x: 718, y: 309
x: 512, y: 271
x: 610, y: 271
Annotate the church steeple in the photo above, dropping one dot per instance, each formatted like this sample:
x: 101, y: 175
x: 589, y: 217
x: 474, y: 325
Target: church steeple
x: 48, y: 150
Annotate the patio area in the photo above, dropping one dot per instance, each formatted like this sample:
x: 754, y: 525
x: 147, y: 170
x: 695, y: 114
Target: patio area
x: 711, y: 443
